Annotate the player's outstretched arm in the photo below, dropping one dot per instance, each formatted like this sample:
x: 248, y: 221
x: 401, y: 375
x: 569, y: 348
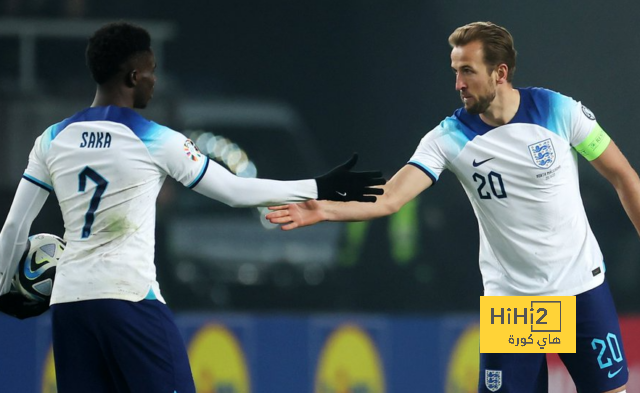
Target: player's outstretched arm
x: 298, y: 215
x: 340, y: 184
x: 613, y: 165
x: 403, y: 187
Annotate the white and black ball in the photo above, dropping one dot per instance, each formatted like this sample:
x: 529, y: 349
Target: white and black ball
x: 37, y: 268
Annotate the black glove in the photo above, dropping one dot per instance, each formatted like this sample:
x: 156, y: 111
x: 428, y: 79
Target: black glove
x: 340, y: 184
x: 18, y: 306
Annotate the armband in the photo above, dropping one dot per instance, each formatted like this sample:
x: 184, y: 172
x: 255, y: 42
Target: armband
x: 595, y: 144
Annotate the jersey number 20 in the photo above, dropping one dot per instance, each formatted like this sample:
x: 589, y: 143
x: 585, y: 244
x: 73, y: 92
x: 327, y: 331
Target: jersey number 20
x: 494, y: 180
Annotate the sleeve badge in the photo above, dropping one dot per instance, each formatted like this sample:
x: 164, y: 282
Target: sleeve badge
x: 191, y: 150
x: 588, y: 113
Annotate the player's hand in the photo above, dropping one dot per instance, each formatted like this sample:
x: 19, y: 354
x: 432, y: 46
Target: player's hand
x: 341, y: 184
x: 18, y: 306
x: 296, y: 215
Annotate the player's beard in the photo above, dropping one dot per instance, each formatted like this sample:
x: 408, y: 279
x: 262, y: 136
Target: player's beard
x: 482, y: 102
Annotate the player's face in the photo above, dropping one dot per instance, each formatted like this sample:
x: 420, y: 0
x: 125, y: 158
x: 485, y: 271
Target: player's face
x: 146, y: 80
x: 476, y: 85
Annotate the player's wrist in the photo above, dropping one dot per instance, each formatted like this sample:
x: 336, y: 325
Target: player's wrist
x: 327, y: 211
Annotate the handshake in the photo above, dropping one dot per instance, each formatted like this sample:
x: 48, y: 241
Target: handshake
x: 341, y: 184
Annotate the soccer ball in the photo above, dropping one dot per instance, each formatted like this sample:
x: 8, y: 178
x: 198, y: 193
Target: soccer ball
x: 37, y: 268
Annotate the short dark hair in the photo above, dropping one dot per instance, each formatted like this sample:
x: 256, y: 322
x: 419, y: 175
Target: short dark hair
x: 497, y: 43
x: 112, y: 45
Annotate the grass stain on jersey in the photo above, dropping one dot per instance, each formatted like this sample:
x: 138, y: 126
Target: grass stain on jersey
x: 119, y: 226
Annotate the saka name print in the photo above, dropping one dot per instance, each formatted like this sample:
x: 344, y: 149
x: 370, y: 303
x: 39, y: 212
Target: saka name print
x: 96, y: 140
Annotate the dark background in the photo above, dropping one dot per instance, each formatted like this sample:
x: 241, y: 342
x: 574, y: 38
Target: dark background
x: 366, y: 76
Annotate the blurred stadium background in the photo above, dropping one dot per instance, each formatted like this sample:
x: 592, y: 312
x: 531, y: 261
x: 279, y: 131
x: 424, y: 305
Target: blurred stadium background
x: 288, y: 90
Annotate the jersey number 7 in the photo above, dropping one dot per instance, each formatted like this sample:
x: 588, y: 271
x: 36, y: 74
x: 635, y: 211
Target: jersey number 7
x: 101, y: 183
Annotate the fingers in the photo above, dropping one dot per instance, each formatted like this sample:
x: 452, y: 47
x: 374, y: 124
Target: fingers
x: 368, y: 194
x: 380, y: 181
x: 351, y: 163
x: 278, y: 214
x: 367, y: 198
x: 280, y: 220
x: 281, y: 207
x: 373, y: 178
x: 373, y: 191
x: 289, y: 227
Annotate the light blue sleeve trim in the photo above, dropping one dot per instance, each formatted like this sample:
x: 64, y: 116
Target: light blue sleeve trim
x: 426, y: 170
x: 38, y: 182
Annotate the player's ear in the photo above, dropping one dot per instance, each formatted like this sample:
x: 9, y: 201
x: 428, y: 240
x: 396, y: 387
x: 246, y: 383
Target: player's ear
x: 502, y: 73
x: 131, y: 78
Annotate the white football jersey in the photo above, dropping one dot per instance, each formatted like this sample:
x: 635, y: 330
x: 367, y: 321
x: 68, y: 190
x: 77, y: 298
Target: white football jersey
x: 106, y: 166
x: 522, y: 180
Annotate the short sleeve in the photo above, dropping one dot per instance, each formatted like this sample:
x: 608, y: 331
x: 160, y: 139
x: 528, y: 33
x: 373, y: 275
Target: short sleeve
x: 565, y: 116
x: 430, y: 154
x: 587, y: 137
x: 179, y: 157
x: 583, y: 122
x: 37, y: 171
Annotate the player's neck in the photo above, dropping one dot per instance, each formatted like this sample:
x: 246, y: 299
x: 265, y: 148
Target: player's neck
x: 109, y: 95
x: 503, y: 108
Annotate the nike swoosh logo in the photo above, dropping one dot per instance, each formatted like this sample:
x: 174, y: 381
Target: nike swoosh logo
x: 32, y: 270
x: 342, y: 194
x: 476, y: 164
x: 611, y: 375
